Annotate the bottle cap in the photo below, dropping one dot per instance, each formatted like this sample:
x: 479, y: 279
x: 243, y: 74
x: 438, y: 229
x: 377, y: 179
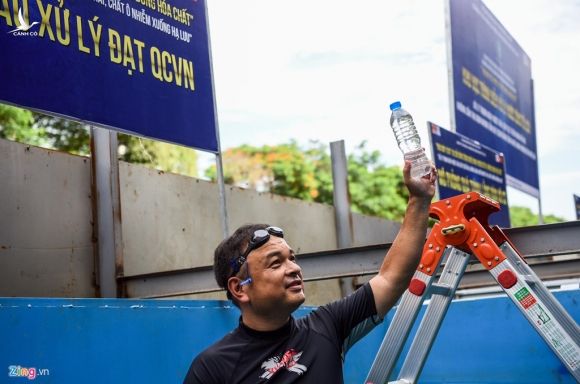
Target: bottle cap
x: 395, y: 105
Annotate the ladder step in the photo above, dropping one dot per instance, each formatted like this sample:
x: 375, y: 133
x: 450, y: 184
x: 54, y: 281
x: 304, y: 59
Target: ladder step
x: 440, y: 290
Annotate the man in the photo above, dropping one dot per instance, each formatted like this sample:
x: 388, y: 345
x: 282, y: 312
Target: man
x: 260, y: 273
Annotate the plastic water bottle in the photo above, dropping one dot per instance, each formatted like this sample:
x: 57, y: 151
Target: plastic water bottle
x: 409, y: 141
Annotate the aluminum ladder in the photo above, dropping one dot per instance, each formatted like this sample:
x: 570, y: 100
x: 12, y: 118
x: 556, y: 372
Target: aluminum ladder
x: 462, y: 231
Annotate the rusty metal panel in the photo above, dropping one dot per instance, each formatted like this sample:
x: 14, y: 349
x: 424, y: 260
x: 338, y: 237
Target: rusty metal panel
x: 179, y: 228
x: 45, y: 231
x: 308, y: 227
x: 172, y: 222
x: 369, y: 230
x: 168, y: 221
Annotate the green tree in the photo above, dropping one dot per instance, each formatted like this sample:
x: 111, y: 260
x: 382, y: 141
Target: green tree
x: 376, y: 189
x: 33, y: 128
x: 282, y: 169
x: 523, y: 216
x: 16, y: 124
x: 289, y: 170
x: 61, y: 134
x: 163, y: 156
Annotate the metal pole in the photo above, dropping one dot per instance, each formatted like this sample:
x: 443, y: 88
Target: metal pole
x: 105, y: 179
x: 449, y: 52
x: 219, y: 163
x: 540, y: 214
x: 222, y: 193
x: 341, y: 197
x: 116, y: 210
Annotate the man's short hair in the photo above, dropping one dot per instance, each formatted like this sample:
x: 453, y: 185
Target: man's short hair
x: 228, y: 250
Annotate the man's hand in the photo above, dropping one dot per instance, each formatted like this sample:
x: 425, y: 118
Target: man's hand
x: 423, y: 187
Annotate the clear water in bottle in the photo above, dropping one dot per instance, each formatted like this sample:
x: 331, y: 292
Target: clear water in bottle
x: 408, y: 140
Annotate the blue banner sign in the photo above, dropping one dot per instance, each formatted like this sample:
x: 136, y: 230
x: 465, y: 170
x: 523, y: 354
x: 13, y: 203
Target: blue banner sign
x: 140, y: 66
x: 492, y: 93
x: 465, y: 165
x: 577, y: 206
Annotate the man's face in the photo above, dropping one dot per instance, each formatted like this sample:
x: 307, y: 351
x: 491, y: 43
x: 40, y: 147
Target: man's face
x: 276, y: 278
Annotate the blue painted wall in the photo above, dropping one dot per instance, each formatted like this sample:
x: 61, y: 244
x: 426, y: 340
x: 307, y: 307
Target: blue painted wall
x: 153, y: 341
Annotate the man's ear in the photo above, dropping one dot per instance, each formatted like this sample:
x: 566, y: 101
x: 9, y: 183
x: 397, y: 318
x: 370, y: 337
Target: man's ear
x: 237, y: 290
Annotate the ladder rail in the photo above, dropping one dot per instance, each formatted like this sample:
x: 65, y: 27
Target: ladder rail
x: 397, y: 333
x: 543, y: 292
x: 433, y: 317
x: 547, y: 323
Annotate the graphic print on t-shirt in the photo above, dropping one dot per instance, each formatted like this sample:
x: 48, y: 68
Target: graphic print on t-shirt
x: 289, y: 360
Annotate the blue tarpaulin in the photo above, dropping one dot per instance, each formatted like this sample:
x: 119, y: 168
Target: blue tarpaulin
x: 154, y: 341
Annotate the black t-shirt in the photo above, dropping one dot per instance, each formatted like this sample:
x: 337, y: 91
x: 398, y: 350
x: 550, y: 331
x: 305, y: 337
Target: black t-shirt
x: 306, y: 350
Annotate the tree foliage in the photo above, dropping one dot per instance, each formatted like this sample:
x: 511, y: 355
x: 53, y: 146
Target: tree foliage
x: 282, y: 169
x: 306, y: 173
x: 523, y: 216
x: 61, y: 134
x: 157, y: 154
x: 17, y: 124
x: 375, y: 189
x: 70, y: 136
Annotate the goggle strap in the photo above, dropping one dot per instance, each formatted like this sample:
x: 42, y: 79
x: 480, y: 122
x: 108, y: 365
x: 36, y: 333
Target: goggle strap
x: 237, y: 263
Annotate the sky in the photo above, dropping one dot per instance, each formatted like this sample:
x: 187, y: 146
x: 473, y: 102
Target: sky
x: 327, y: 70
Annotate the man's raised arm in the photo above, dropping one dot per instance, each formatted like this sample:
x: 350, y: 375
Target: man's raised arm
x: 403, y: 257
